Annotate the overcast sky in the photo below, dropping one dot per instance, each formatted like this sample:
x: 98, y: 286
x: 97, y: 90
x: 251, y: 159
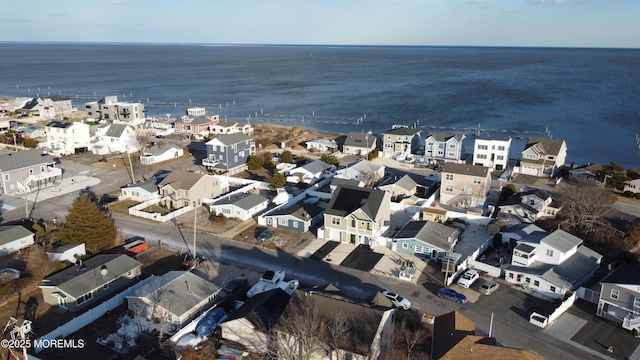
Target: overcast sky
x: 555, y: 23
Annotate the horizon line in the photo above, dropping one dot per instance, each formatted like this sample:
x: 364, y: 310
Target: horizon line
x: 311, y: 45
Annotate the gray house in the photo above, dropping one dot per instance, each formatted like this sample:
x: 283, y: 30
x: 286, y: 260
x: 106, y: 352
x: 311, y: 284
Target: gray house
x: 89, y: 282
x: 26, y: 170
x: 400, y: 142
x: 298, y: 217
x: 425, y: 238
x: 620, y: 297
x: 229, y: 152
x: 243, y: 206
x: 359, y: 144
x: 14, y: 238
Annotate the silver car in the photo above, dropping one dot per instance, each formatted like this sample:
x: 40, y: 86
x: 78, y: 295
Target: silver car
x: 488, y: 287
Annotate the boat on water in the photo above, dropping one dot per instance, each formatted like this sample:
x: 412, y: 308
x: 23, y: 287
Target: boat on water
x: 207, y: 324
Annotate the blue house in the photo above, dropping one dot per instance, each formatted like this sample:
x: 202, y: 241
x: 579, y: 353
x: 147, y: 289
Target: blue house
x: 298, y: 217
x: 229, y: 152
x: 425, y: 238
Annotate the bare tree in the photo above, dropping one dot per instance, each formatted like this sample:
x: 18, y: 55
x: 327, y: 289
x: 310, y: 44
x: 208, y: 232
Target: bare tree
x: 370, y: 179
x: 584, y: 206
x: 40, y: 265
x: 408, y: 341
x: 299, y: 330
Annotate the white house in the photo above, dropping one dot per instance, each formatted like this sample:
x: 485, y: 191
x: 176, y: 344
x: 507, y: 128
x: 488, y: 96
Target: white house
x: 311, y: 172
x: 632, y: 185
x: 230, y: 127
x: 551, y: 263
x: 141, y: 190
x: 492, y: 151
x: 65, y: 137
x: 114, y: 138
x: 529, y: 206
x: 68, y: 252
x: 359, y: 144
x: 14, y: 238
x: 159, y: 153
x: 444, y: 147
x: 242, y: 207
x: 364, y: 171
x: 322, y: 145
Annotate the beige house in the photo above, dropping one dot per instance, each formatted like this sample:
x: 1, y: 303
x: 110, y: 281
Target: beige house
x: 66, y: 137
x: 182, y: 188
x: 542, y: 156
x: 464, y: 185
x: 357, y: 215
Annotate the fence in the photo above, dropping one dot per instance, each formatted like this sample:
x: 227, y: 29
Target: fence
x: 88, y: 317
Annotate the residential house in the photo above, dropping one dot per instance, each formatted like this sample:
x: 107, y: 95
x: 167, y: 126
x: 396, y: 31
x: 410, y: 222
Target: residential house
x: 230, y: 127
x: 464, y: 185
x: 229, y: 152
x: 529, y: 206
x: 67, y: 252
x: 337, y: 181
x: 311, y: 172
x: 160, y: 153
x: 242, y: 206
x: 364, y: 171
x: 400, y: 142
x: 359, y: 144
x: 632, y: 185
x: 551, y: 264
x: 444, y: 147
x: 141, y: 190
x: 14, y: 238
x: 426, y: 239
x: 492, y: 151
x: 322, y: 145
x: 90, y: 281
x: 454, y: 337
x: 119, y: 112
x: 433, y: 214
x: 65, y: 137
x: 166, y: 125
x: 184, y: 188
x: 357, y: 215
x: 48, y: 107
x: 176, y: 298
x: 542, y: 156
x: 620, y: 297
x: 514, y: 233
x: 585, y: 173
x: 114, y: 138
x: 268, y: 315
x: 410, y: 185
x: 196, y: 123
x: 299, y: 217
x: 26, y: 170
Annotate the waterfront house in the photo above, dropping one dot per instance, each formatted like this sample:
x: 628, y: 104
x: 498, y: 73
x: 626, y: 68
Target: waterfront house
x: 464, y: 185
x: 454, y: 337
x: 551, y: 264
x: 166, y: 125
x: 444, y: 147
x: 357, y: 216
x: 23, y: 171
x: 230, y: 127
x: 425, y: 239
x: 196, y: 122
x: 492, y: 151
x: 66, y: 137
x: 364, y: 171
x: 359, y: 144
x: 110, y: 109
x: 297, y: 217
x: 67, y: 252
x: 240, y: 206
x: 47, y: 107
x: 542, y: 156
x: 114, y: 138
x: 160, y: 153
x: 409, y: 185
x: 529, y: 206
x: 400, y: 142
x: 90, y: 281
x: 183, y: 188
x: 585, y: 173
x: 141, y: 190
x: 14, y: 238
x: 311, y: 172
x: 632, y: 185
x: 176, y: 298
x: 322, y: 145
x: 229, y: 153
x: 620, y: 297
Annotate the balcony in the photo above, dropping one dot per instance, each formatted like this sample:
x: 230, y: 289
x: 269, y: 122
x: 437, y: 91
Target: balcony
x: 359, y: 231
x: 49, y: 173
x: 631, y: 321
x: 210, y: 161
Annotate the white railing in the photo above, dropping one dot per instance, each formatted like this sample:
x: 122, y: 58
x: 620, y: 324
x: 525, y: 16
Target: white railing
x: 631, y: 321
x: 355, y: 230
x: 210, y: 161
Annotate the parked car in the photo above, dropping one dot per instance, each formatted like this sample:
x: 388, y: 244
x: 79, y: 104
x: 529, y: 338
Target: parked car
x: 488, y: 287
x: 265, y: 235
x: 397, y: 300
x: 451, y: 294
x: 235, y: 285
x: 468, y: 278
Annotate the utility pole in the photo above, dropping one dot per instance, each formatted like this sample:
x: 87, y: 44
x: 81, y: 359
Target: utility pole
x: 446, y: 274
x: 195, y: 217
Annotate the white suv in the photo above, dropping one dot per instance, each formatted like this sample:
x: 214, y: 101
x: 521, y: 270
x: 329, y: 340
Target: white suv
x: 468, y: 278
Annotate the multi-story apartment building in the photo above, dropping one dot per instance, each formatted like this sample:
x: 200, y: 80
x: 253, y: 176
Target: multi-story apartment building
x: 492, y: 151
x: 110, y: 109
x: 464, y: 185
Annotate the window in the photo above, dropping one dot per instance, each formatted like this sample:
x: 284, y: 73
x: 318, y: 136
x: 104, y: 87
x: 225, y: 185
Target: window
x: 500, y: 157
x: 536, y: 283
x: 477, y: 180
x: 86, y: 297
x: 449, y: 177
x: 295, y: 224
x: 282, y: 222
x: 530, y: 156
x: 501, y: 148
x: 483, y: 147
x: 510, y: 275
x: 452, y: 154
x: 549, y: 252
x: 6, y: 177
x: 405, y: 245
x: 440, y: 146
x: 105, y: 286
x: 482, y: 156
x: 335, y: 220
x: 527, y: 280
x: 448, y: 188
x: 615, y: 293
x: 552, y: 289
x: 636, y: 302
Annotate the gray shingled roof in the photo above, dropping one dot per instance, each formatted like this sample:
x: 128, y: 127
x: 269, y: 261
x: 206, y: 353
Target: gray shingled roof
x: 23, y: 159
x: 545, y: 145
x: 465, y: 169
x: 11, y: 233
x: 181, y: 179
x: 299, y: 210
x: 230, y: 139
x: 159, y: 150
x: 624, y: 274
x: 561, y: 240
x: 347, y: 199
x: 439, y: 136
x: 244, y: 201
x: 149, y: 185
x: 428, y: 231
x: 316, y: 166
x: 59, y: 124
x: 116, y: 130
x: 77, y: 281
x: 359, y: 139
x: 177, y: 291
x: 403, y: 131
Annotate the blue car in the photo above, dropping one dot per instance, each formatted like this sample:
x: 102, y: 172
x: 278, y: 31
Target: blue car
x: 452, y: 295
x: 266, y: 234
